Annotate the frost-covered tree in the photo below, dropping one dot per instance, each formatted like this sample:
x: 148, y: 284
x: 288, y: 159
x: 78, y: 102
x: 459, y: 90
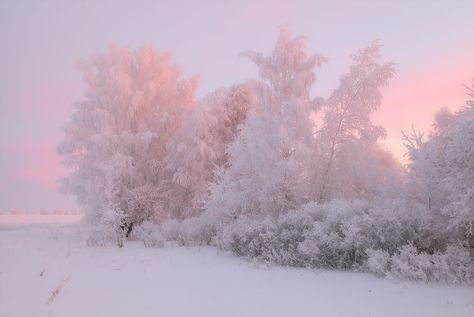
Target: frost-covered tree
x: 200, y: 148
x: 268, y: 162
x: 442, y: 173
x: 350, y: 163
x: 117, y: 139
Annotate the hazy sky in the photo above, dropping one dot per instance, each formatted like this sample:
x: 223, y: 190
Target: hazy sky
x: 41, y: 42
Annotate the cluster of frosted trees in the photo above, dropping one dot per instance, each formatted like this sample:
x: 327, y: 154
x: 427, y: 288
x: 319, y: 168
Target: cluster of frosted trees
x: 267, y: 171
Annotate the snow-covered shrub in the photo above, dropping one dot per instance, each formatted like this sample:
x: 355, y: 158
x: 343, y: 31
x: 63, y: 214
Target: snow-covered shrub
x: 150, y: 234
x: 410, y: 264
x: 198, y: 230
x: 191, y: 231
x: 110, y: 231
x: 455, y: 265
x: 249, y: 236
x: 332, y: 235
x: 338, y: 233
x: 171, y: 231
x: 269, y: 239
x: 291, y: 233
x: 361, y: 235
x: 458, y: 264
x: 342, y: 232
x: 378, y: 262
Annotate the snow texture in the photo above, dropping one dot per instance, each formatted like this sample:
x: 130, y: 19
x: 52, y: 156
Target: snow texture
x: 47, y: 270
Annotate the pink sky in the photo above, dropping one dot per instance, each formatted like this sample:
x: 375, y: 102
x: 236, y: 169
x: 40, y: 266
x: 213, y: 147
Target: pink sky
x: 43, y: 40
x: 417, y: 93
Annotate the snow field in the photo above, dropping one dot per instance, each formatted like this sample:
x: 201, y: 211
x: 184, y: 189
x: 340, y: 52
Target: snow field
x: 47, y: 270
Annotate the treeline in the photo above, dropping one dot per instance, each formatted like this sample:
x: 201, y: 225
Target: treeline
x: 265, y: 170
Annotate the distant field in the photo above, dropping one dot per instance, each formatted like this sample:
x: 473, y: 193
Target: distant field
x: 24, y: 219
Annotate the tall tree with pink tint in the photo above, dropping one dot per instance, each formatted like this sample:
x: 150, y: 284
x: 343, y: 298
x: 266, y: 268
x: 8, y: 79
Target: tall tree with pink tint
x: 200, y: 147
x: 351, y: 164
x: 117, y: 139
x: 268, y: 162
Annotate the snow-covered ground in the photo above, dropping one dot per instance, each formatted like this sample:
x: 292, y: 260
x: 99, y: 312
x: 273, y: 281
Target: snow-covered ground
x: 46, y: 270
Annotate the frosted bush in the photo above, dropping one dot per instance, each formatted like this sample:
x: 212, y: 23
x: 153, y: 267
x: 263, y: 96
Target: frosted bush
x: 292, y: 228
x: 191, y: 231
x: 333, y: 235
x: 150, y: 234
x: 455, y: 265
x: 198, y: 230
x: 408, y: 264
x: 112, y: 229
x: 341, y: 233
x: 459, y: 265
x: 249, y: 237
x: 181, y: 232
x: 378, y: 262
x: 171, y: 230
x: 357, y: 235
